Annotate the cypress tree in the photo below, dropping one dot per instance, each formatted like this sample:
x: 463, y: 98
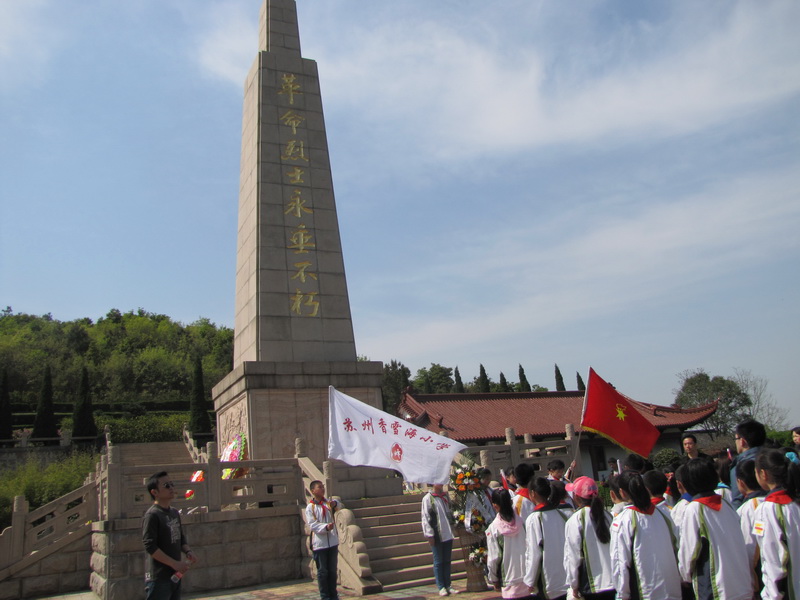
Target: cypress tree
x: 6, y: 417
x: 504, y: 387
x: 483, y: 381
x: 199, y: 422
x: 581, y: 385
x: 44, y: 426
x: 458, y: 385
x: 523, y: 385
x: 560, y: 387
x: 83, y: 424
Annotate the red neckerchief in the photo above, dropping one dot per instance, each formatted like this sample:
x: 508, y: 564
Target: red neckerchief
x: 656, y: 501
x: 714, y: 501
x: 647, y: 511
x: 443, y: 496
x: 539, y: 507
x: 778, y: 497
x: 323, y: 503
x: 524, y: 492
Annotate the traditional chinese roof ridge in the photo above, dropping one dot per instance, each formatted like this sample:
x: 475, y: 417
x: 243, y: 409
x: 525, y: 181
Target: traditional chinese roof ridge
x: 484, y: 416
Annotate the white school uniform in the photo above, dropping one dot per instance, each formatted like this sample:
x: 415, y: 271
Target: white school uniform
x: 587, y: 561
x: 724, y: 491
x: 522, y: 505
x: 677, y: 512
x: 544, y: 555
x: 439, y: 517
x: 714, y: 520
x: 642, y: 545
x: 318, y: 515
x: 505, y: 549
x: 777, y: 529
x: 747, y: 516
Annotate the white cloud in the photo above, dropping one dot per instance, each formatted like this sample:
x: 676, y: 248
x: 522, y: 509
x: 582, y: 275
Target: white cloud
x: 464, y: 96
x: 616, y: 263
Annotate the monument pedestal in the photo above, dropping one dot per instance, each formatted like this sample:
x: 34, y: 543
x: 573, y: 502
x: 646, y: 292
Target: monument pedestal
x: 275, y: 402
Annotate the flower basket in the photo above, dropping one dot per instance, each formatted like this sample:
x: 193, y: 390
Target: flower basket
x: 476, y: 581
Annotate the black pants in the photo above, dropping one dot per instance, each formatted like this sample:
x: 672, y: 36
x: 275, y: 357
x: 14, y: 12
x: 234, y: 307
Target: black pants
x: 327, y: 561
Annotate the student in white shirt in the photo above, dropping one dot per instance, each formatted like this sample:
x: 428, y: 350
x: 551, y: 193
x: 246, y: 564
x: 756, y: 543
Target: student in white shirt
x: 712, y: 553
x: 319, y: 516
x: 587, y: 548
x: 544, y: 539
x: 505, y: 547
x: 680, y: 506
x: 480, y: 500
x: 523, y: 504
x: 777, y: 525
x: 656, y: 484
x: 436, y: 518
x: 643, y: 551
x: 753, y: 495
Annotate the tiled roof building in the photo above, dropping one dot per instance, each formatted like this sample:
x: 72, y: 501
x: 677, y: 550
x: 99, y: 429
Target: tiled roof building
x: 484, y: 417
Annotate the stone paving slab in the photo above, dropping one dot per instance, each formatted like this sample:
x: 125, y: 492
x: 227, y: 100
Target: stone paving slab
x: 306, y: 590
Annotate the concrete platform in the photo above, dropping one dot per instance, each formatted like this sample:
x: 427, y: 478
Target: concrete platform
x: 307, y: 590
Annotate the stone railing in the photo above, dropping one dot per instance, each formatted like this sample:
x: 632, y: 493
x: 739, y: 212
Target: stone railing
x: 512, y: 453
x: 37, y: 530
x: 354, y: 568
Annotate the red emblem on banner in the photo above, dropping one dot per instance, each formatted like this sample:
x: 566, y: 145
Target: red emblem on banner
x: 397, y: 453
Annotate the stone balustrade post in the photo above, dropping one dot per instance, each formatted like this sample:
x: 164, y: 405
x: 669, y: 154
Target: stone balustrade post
x: 299, y: 448
x: 330, y: 477
x: 66, y: 438
x: 18, y: 518
x: 485, y: 459
x: 114, y: 484
x: 214, y: 479
x: 513, y: 446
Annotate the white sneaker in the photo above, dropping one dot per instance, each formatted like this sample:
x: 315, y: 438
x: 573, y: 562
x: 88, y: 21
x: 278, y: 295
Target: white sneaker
x: 444, y: 592
x: 453, y: 591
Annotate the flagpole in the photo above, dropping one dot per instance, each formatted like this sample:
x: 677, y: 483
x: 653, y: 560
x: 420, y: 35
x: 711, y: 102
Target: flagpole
x: 580, y: 431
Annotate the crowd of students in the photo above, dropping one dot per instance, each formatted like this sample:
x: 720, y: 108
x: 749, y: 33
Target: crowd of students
x: 671, y: 536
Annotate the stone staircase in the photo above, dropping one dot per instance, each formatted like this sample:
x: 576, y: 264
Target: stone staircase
x: 399, y: 555
x: 153, y: 453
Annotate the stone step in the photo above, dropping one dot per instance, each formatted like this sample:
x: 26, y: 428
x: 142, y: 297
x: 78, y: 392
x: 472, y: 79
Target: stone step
x: 391, y: 587
x: 384, y: 501
x: 399, y: 539
x: 395, y: 519
x: 388, y: 509
x: 390, y: 550
x: 158, y: 454
x: 381, y: 530
x: 405, y: 575
x: 396, y: 563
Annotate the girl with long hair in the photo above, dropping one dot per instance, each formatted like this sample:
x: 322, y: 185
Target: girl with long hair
x: 505, y: 546
x: 643, y: 547
x: 777, y: 524
x: 587, y: 550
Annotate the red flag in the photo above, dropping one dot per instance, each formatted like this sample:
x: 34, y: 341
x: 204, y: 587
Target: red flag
x: 611, y: 414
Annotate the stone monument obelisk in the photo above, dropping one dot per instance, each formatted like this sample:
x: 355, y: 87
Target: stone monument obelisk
x: 293, y: 329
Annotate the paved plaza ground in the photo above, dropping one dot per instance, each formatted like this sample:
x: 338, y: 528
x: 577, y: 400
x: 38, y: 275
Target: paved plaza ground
x: 306, y: 590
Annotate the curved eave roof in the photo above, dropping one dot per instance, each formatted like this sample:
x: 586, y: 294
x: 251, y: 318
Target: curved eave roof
x: 482, y: 417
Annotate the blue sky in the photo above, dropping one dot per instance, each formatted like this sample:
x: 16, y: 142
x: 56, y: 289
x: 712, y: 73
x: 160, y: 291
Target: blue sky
x: 612, y: 184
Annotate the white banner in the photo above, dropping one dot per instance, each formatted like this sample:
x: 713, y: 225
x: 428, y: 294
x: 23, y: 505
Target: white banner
x: 360, y: 435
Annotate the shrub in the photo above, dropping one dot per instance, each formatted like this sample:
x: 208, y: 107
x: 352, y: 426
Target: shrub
x: 42, y: 484
x: 665, y: 457
x: 145, y: 428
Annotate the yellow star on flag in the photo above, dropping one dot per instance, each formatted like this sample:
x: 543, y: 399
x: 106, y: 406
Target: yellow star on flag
x: 621, y: 412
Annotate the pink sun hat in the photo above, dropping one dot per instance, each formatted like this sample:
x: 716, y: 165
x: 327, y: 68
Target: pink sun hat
x: 585, y: 487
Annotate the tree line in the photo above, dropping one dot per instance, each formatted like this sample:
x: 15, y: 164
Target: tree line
x: 125, y: 364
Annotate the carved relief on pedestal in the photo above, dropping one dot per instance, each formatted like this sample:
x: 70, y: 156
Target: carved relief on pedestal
x: 233, y: 421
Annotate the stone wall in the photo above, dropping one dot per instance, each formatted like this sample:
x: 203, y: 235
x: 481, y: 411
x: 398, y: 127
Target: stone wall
x: 234, y: 549
x: 64, y: 568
